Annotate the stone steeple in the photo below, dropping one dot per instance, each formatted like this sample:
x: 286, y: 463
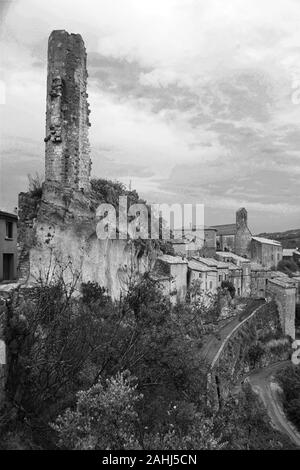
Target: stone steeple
x: 243, y: 235
x: 67, y: 161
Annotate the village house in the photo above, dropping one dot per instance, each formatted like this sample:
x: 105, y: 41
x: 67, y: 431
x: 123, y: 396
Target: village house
x: 266, y: 252
x: 235, y: 277
x: 195, y: 241
x: 259, y: 277
x: 289, y: 254
x: 243, y: 264
x: 8, y: 246
x: 225, y: 237
x: 235, y: 237
x: 222, y: 268
x: 283, y: 291
x: 207, y: 275
x: 171, y: 271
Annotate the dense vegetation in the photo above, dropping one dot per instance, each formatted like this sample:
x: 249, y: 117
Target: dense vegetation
x: 92, y: 374
x: 289, y: 379
x: 288, y: 267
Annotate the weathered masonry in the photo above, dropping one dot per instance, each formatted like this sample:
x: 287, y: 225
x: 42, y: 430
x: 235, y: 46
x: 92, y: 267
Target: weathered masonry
x: 68, y: 161
x: 8, y: 246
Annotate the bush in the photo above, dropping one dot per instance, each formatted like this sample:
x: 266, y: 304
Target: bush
x: 289, y: 380
x: 35, y: 185
x: 287, y: 266
x: 229, y: 286
x: 104, y: 417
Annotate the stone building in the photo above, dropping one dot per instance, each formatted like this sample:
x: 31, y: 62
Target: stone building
x: 8, y: 246
x: 207, y: 275
x: 289, y: 254
x: 243, y: 235
x: 68, y: 161
x: 210, y: 242
x: 235, y: 276
x: 195, y: 241
x: 235, y: 237
x: 259, y: 279
x: 222, y: 268
x: 266, y: 252
x: 225, y: 237
x: 243, y: 264
x: 284, y: 294
x: 180, y: 246
x: 172, y: 270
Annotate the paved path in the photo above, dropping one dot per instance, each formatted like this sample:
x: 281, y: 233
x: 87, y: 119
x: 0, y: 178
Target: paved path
x: 214, y: 345
x: 263, y: 383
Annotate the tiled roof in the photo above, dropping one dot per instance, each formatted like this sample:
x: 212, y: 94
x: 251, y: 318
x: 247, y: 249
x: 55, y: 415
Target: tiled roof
x: 290, y: 252
x: 197, y: 266
x: 233, y: 266
x: 225, y: 229
x: 266, y: 241
x: 222, y: 265
x: 229, y: 254
x: 8, y: 214
x: 282, y: 283
x: 257, y: 267
x: 172, y: 259
x: 207, y: 261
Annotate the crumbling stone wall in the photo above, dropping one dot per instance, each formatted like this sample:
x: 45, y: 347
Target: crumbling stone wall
x: 284, y: 295
x: 67, y: 145
x: 243, y: 235
x: 28, y: 210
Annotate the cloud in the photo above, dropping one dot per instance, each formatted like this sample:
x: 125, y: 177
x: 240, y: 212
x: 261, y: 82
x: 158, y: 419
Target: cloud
x: 190, y: 99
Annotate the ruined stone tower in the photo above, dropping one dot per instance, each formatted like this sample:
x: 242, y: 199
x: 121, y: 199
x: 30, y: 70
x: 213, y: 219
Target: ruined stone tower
x: 243, y: 235
x: 68, y: 161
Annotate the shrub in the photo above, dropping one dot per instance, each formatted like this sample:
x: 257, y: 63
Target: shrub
x: 229, y: 286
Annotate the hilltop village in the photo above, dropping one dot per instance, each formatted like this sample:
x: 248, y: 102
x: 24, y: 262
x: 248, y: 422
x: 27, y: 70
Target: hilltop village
x: 60, y: 222
x: 76, y: 309
x: 229, y: 253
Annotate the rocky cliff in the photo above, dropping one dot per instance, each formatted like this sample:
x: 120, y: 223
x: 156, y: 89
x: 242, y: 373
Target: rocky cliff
x: 60, y: 237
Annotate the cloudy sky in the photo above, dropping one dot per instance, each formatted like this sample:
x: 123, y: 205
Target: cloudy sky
x: 194, y: 101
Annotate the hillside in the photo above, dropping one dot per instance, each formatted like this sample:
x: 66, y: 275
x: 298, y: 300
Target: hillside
x: 289, y: 239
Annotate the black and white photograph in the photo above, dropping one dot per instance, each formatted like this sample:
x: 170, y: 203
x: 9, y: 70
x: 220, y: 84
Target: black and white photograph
x: 149, y: 229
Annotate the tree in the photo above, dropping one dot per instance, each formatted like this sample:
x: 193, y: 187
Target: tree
x: 104, y: 417
x: 245, y: 425
x: 230, y: 287
x: 289, y: 380
x: 288, y: 267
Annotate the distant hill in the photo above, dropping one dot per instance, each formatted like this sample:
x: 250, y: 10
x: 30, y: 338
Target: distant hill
x: 289, y: 239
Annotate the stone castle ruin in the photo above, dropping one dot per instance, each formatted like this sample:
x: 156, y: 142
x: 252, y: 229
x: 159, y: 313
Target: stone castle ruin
x: 59, y: 227
x: 68, y: 160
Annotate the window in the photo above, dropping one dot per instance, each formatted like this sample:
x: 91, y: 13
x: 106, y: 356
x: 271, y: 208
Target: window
x: 210, y: 284
x: 220, y: 278
x: 199, y: 274
x: 9, y: 230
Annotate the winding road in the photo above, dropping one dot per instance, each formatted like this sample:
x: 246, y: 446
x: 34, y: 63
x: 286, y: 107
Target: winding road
x: 263, y: 383
x: 215, y: 343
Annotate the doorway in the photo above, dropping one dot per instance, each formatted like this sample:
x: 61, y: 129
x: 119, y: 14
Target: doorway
x: 8, y: 267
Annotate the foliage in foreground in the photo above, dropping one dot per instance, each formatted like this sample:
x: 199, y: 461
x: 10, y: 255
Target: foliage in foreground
x: 70, y: 363
x: 289, y: 380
